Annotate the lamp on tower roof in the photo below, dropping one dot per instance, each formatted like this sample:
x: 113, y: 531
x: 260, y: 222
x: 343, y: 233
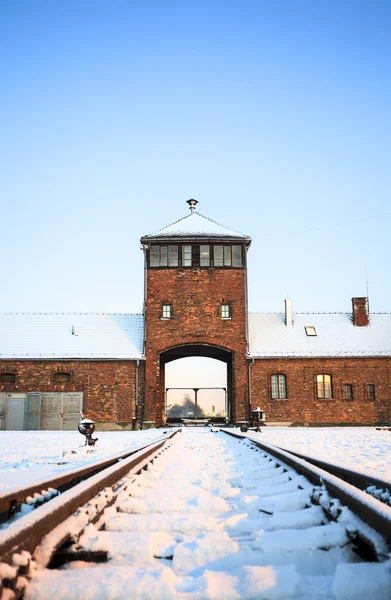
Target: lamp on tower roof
x: 192, y: 204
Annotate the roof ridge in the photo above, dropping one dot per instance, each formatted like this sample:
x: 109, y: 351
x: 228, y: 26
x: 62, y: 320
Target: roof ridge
x: 70, y: 313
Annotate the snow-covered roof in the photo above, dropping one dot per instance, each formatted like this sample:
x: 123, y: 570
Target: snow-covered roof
x: 196, y: 225
x: 335, y: 335
x: 71, y: 335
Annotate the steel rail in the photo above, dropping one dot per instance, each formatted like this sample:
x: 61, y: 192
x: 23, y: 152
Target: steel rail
x: 359, y: 480
x: 368, y: 509
x: 11, y: 500
x: 27, y: 533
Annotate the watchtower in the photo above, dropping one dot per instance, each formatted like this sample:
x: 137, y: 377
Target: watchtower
x: 195, y: 305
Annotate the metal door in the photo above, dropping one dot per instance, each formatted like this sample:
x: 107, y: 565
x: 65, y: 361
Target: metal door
x: 61, y: 410
x: 51, y: 411
x: 15, y: 412
x: 72, y: 404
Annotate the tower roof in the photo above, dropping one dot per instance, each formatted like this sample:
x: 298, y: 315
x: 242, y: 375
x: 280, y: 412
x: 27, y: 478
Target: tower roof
x: 197, y: 225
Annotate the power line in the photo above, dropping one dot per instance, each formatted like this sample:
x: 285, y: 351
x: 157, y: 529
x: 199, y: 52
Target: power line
x: 333, y: 226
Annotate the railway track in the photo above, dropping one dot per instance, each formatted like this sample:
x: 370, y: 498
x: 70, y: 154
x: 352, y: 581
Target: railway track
x: 202, y: 515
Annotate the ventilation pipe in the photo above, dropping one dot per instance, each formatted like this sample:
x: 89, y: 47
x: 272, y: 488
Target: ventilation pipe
x: 288, y: 313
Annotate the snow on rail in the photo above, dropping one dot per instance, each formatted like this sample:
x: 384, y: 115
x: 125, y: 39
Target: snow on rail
x: 356, y: 499
x: 22, y: 534
x: 213, y: 518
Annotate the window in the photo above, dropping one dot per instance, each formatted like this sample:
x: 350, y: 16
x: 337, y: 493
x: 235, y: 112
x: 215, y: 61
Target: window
x: 218, y: 256
x: 186, y: 256
x: 227, y: 256
x: 7, y: 378
x: 166, y: 311
x: 163, y: 256
x: 172, y: 256
x: 323, y: 386
x: 347, y: 391
x: 62, y: 377
x: 236, y: 256
x: 204, y: 256
x: 310, y: 330
x: 370, y: 391
x: 278, y: 386
x: 225, y: 311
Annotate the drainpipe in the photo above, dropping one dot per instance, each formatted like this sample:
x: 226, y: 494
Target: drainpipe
x: 246, y: 303
x: 250, y: 364
x: 144, y: 248
x: 136, y: 394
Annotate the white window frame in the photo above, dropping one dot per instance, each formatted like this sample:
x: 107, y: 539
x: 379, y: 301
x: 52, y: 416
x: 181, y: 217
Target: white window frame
x: 166, y: 311
x: 226, y: 311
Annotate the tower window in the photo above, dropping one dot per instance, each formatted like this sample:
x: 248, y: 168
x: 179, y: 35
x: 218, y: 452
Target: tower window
x: 278, y: 386
x: 163, y: 256
x: 172, y: 256
x: 236, y: 256
x: 204, y: 256
x: 323, y: 386
x: 218, y: 257
x: 370, y: 391
x: 186, y: 256
x: 225, y: 311
x: 227, y: 256
x: 166, y: 311
x: 7, y: 378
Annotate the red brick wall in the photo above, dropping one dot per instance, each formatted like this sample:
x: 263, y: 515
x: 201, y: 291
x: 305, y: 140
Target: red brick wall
x: 196, y: 296
x: 108, y: 386
x: 302, y: 404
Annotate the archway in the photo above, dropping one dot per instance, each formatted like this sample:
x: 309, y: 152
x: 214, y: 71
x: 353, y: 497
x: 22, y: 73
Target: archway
x: 189, y: 391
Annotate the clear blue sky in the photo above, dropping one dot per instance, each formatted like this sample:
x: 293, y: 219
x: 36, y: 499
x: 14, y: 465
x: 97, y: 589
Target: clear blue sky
x: 274, y: 114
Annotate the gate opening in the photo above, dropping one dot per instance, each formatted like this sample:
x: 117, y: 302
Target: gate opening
x: 197, y: 384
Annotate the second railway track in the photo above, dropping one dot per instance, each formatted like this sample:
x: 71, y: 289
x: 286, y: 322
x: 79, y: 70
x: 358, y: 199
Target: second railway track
x: 203, y: 515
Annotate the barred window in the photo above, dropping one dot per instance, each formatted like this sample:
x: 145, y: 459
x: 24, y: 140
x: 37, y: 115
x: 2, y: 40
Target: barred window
x: 7, y: 378
x: 62, y: 377
x: 278, y: 386
x: 370, y: 391
x: 166, y: 311
x: 186, y: 256
x: 204, y: 256
x: 225, y: 311
x: 324, y: 387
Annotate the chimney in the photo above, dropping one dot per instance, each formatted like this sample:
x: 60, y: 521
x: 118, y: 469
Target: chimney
x: 360, y: 312
x: 288, y: 313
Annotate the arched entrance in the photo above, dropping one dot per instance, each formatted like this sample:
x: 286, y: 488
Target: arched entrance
x: 196, y: 403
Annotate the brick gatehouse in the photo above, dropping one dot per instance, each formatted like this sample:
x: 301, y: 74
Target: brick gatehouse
x: 300, y: 368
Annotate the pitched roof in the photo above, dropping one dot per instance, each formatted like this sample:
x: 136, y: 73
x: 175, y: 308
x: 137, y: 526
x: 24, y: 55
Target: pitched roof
x: 196, y: 225
x: 106, y: 336
x: 336, y: 335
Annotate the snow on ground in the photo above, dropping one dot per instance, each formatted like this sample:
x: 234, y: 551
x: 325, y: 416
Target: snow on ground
x: 26, y: 456
x: 29, y: 456
x: 215, y: 520
x: 363, y: 449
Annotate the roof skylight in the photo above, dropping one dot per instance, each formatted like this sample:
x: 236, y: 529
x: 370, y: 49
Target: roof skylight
x: 310, y: 330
